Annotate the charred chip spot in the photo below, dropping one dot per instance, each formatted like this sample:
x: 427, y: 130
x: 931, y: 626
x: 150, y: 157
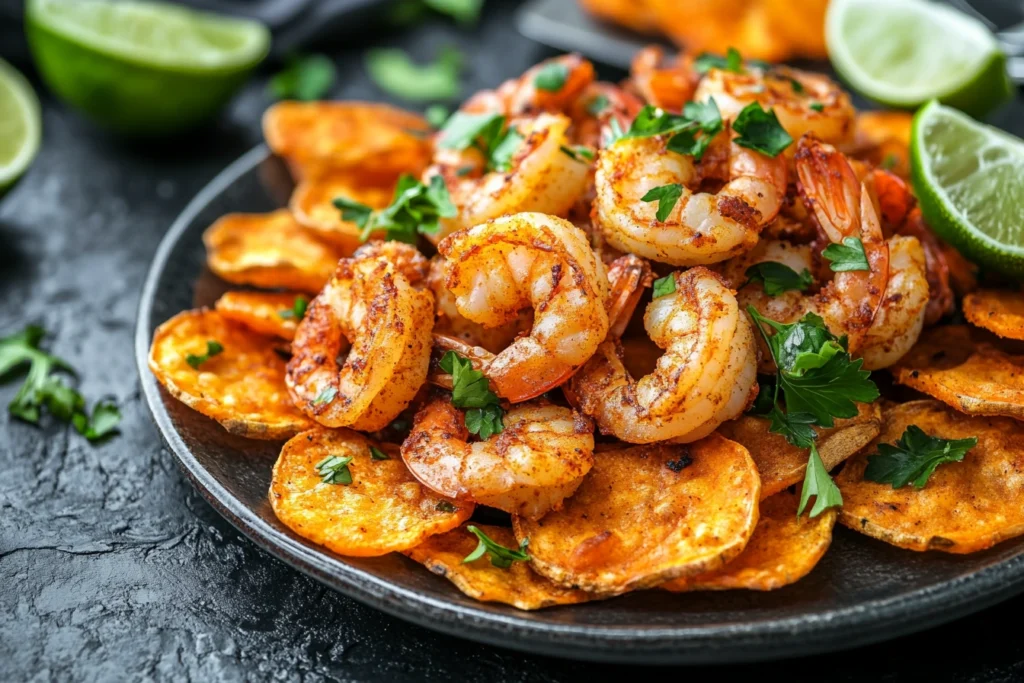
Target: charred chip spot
x: 679, y: 464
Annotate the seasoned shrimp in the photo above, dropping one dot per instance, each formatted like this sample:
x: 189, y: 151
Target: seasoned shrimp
x: 596, y: 108
x: 703, y: 227
x: 541, y: 178
x: 536, y: 261
x: 666, y: 82
x: 804, y: 102
x: 362, y: 351
x: 628, y: 276
x: 538, y: 459
x: 707, y: 374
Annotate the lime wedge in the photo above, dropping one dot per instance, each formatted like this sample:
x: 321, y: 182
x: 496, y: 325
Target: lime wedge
x: 969, y: 179
x: 904, y: 53
x: 20, y: 125
x: 144, y: 68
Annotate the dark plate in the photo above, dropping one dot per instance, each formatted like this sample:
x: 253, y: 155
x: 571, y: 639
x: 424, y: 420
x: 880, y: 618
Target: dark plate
x: 863, y: 591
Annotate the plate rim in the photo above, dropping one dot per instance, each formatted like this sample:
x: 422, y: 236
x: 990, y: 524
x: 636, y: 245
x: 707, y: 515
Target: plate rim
x: 799, y: 635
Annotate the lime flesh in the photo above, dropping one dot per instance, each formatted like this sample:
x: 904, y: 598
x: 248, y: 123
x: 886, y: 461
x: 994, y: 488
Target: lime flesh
x: 20, y: 125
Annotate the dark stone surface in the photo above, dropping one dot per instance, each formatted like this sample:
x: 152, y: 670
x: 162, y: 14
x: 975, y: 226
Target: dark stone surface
x: 112, y: 567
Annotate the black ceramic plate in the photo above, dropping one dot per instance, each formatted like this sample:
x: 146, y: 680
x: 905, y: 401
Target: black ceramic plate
x: 863, y: 590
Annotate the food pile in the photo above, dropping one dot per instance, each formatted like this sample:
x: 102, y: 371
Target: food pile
x: 638, y: 319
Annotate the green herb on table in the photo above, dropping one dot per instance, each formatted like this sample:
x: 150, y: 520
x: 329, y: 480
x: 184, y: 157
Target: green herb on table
x: 305, y: 77
x: 396, y: 74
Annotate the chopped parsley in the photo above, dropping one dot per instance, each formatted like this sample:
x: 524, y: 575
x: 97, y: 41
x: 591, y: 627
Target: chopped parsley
x: 436, y: 115
x: 847, y: 256
x: 501, y: 557
x: 692, y: 131
x: 297, y: 311
x: 415, y: 208
x: 664, y: 285
x: 817, y: 106
x: 306, y: 78
x: 551, y: 77
x: 707, y: 61
x: 334, y: 470
x: 818, y: 483
x: 776, y: 278
x: 486, y: 132
x: 378, y: 454
x: 472, y: 392
x: 913, y: 458
x: 760, y: 130
x: 597, y: 105
x: 396, y: 74
x: 667, y: 196
x: 445, y: 506
x: 325, y: 396
x: 213, y: 348
x: 465, y: 12
x: 578, y: 153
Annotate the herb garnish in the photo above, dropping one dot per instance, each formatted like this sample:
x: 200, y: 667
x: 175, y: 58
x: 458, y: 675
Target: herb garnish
x: 306, y: 78
x: 666, y: 196
x: 817, y: 106
x: 334, y: 470
x: 378, y: 454
x: 760, y: 130
x: 395, y: 73
x: 551, y: 77
x: 486, y: 132
x: 297, y: 311
x: 692, y: 131
x: 472, y: 391
x: 707, y: 61
x: 501, y: 557
x: 847, y: 256
x: 213, y: 348
x: 776, y: 278
x: 445, y: 506
x: 436, y: 115
x: 913, y: 458
x: 597, y: 105
x: 325, y: 396
x: 578, y: 153
x: 415, y: 208
x: 664, y: 285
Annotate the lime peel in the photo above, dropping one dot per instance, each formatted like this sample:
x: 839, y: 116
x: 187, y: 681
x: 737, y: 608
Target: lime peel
x: 20, y: 125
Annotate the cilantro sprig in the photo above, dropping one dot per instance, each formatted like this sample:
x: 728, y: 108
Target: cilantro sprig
x: 334, y: 470
x: 760, y: 130
x: 551, y: 77
x: 415, y: 208
x: 501, y: 557
x: 776, y: 278
x: 692, y: 131
x: 847, y: 256
x: 664, y: 286
x: 706, y: 61
x: 41, y: 389
x: 667, y: 196
x: 579, y: 153
x: 297, y: 311
x: 472, y: 392
x: 913, y: 459
x: 213, y: 348
x: 392, y: 70
x: 305, y: 77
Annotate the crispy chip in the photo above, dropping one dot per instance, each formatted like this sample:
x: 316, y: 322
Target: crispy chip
x: 781, y: 464
x: 965, y: 506
x: 998, y: 311
x: 318, y: 137
x: 967, y: 369
x: 312, y: 203
x: 783, y: 550
x: 242, y: 387
x: 518, y: 585
x: 269, y: 250
x: 383, y: 509
x: 261, y: 311
x: 649, y: 514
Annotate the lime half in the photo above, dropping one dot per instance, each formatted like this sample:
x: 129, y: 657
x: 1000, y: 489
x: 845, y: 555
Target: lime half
x: 142, y: 67
x: 20, y: 125
x: 969, y: 179
x: 904, y: 53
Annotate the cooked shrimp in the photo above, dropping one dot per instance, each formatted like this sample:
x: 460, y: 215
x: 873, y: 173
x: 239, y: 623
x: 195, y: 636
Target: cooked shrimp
x: 538, y: 459
x: 537, y: 261
x: 523, y: 96
x: 706, y: 376
x: 541, y: 178
x: 899, y: 319
x: 362, y: 351
x: 628, y: 276
x: 804, y: 102
x: 596, y: 108
x: 666, y: 82
x: 703, y: 227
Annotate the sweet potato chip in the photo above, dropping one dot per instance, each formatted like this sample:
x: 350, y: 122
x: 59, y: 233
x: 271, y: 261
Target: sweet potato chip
x: 381, y: 509
x: 270, y: 313
x: 268, y: 250
x: 241, y: 386
x: 649, y: 514
x: 964, y: 507
x: 998, y: 311
x: 783, y: 550
x: 967, y: 369
x: 518, y: 585
x: 781, y: 464
x: 317, y: 137
x: 312, y: 204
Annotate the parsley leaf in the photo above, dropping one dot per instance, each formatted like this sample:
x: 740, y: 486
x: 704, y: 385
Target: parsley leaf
x: 847, y: 256
x: 465, y: 12
x: 485, y: 422
x: 436, y: 115
x: 664, y: 285
x: 692, y: 131
x: 213, y: 348
x: 297, y: 311
x: 486, y: 132
x: 334, y: 470
x: 667, y: 196
x: 551, y: 77
x: 796, y: 427
x: 760, y: 130
x: 597, y: 105
x: 499, y: 156
x: 378, y: 454
x: 890, y: 161
x: 396, y: 74
x: 819, y: 484
x: 472, y: 391
x: 414, y: 208
x: 913, y: 458
x: 501, y: 557
x: 707, y: 61
x: 776, y: 278
x: 817, y: 106
x: 304, y: 78
x: 105, y: 418
x: 325, y: 396
x: 578, y: 153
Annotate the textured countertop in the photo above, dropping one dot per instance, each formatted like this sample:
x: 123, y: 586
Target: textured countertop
x: 112, y: 567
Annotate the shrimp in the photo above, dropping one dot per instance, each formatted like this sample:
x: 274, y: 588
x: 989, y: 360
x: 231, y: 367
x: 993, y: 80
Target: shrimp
x: 538, y: 459
x: 665, y: 82
x: 362, y: 351
x: 804, y: 102
x: 628, y: 277
x: 523, y: 96
x: 537, y: 261
x: 706, y: 375
x: 596, y: 108
x: 703, y: 227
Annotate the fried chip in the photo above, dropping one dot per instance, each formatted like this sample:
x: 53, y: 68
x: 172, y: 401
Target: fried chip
x: 318, y: 137
x: 967, y: 369
x: 242, y: 387
x: 383, y: 509
x: 783, y: 550
x: 270, y: 313
x: 782, y: 464
x: 518, y: 585
x: 312, y: 204
x: 268, y: 250
x: 998, y: 311
x: 649, y: 514
x: 965, y: 506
